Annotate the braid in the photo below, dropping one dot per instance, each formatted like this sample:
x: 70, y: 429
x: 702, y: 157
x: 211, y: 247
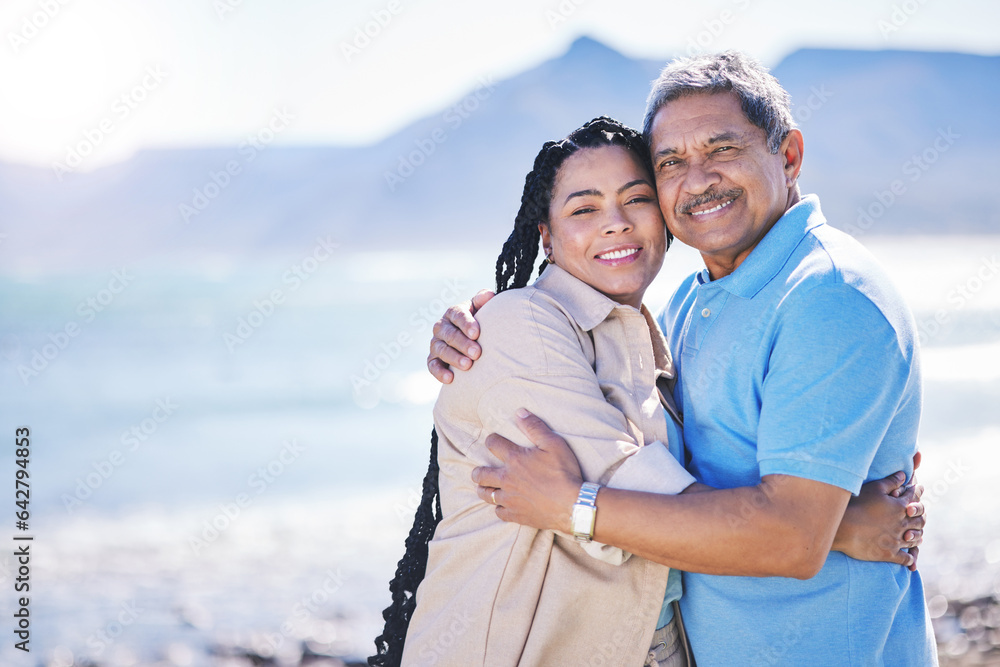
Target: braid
x: 519, y: 252
x: 410, y: 570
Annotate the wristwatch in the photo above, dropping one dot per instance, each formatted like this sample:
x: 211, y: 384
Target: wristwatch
x: 585, y: 512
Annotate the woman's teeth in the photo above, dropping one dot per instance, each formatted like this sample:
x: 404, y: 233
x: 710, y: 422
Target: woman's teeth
x: 618, y: 254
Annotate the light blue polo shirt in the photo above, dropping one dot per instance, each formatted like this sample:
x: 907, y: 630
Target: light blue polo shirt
x: 801, y: 362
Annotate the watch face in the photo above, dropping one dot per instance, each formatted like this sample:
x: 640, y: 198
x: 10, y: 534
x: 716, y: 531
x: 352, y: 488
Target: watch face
x: 583, y: 521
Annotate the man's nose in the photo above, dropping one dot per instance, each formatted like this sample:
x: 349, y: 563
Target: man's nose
x: 701, y: 175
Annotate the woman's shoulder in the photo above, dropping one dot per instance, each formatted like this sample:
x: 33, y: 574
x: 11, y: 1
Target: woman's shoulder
x: 528, y: 311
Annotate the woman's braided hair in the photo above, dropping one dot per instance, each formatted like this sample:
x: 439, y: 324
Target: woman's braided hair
x: 514, y: 268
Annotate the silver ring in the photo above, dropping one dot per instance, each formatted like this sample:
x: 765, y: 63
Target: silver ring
x: 493, y: 496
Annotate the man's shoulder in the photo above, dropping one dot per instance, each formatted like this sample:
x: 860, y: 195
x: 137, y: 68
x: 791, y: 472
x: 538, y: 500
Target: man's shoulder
x: 831, y: 267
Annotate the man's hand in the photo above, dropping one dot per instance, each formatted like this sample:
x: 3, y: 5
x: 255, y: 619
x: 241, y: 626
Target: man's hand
x: 454, y: 338
x: 537, y: 486
x: 886, y: 518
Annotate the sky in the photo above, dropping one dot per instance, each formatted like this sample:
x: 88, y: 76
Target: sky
x: 113, y: 76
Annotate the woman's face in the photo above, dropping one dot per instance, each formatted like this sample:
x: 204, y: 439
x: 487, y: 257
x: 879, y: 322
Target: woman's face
x: 605, y: 225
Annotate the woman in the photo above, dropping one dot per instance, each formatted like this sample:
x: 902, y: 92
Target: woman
x: 579, y: 346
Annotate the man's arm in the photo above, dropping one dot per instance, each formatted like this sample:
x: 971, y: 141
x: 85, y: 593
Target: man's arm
x: 786, y: 528
x: 765, y: 530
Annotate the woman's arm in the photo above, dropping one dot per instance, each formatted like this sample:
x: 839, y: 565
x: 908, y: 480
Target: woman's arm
x: 534, y: 358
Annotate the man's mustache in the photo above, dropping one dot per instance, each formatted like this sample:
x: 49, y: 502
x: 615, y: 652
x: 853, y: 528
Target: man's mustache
x: 707, y: 198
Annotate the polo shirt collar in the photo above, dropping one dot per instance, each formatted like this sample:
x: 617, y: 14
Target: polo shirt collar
x: 586, y: 305
x: 765, y: 261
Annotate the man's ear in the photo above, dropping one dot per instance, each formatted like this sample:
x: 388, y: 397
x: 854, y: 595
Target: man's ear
x: 543, y: 229
x: 791, y: 152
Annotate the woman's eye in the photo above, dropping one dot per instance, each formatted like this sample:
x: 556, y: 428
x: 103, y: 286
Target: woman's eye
x: 639, y: 199
x: 581, y: 211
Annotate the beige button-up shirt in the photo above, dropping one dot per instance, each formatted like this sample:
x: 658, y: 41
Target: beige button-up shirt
x: 499, y: 594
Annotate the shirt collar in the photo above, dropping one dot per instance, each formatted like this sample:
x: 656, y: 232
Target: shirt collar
x: 588, y: 308
x: 773, y: 251
x: 586, y: 305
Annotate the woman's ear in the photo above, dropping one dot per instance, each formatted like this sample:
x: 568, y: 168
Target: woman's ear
x: 543, y: 229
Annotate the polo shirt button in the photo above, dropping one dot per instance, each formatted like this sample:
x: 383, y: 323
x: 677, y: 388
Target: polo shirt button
x: 706, y: 312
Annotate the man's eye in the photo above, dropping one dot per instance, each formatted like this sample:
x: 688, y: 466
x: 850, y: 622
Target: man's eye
x: 722, y: 149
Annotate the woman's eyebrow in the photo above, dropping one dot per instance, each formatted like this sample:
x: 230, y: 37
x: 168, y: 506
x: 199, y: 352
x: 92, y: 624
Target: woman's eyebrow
x: 630, y: 184
x: 584, y: 193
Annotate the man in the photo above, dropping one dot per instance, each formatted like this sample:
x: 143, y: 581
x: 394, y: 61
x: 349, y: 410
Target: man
x: 799, y: 381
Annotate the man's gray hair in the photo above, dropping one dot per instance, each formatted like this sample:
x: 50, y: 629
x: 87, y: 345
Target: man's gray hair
x: 765, y: 103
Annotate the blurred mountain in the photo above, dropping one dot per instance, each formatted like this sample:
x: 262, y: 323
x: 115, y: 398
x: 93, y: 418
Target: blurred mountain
x: 892, y: 138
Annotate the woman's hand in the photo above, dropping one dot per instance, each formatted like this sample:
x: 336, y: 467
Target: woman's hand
x: 536, y: 486
x: 454, y: 338
x: 882, y: 522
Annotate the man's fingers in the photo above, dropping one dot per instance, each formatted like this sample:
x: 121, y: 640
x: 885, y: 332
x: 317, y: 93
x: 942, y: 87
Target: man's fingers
x: 451, y: 336
x: 461, y: 317
x: 914, y: 552
x: 439, y: 370
x: 449, y: 355
x: 478, y: 301
x: 916, y: 461
x: 486, y: 492
x: 902, y: 558
x: 913, y: 538
x: 538, y: 432
x: 488, y: 479
x: 893, y: 484
x: 501, y: 447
